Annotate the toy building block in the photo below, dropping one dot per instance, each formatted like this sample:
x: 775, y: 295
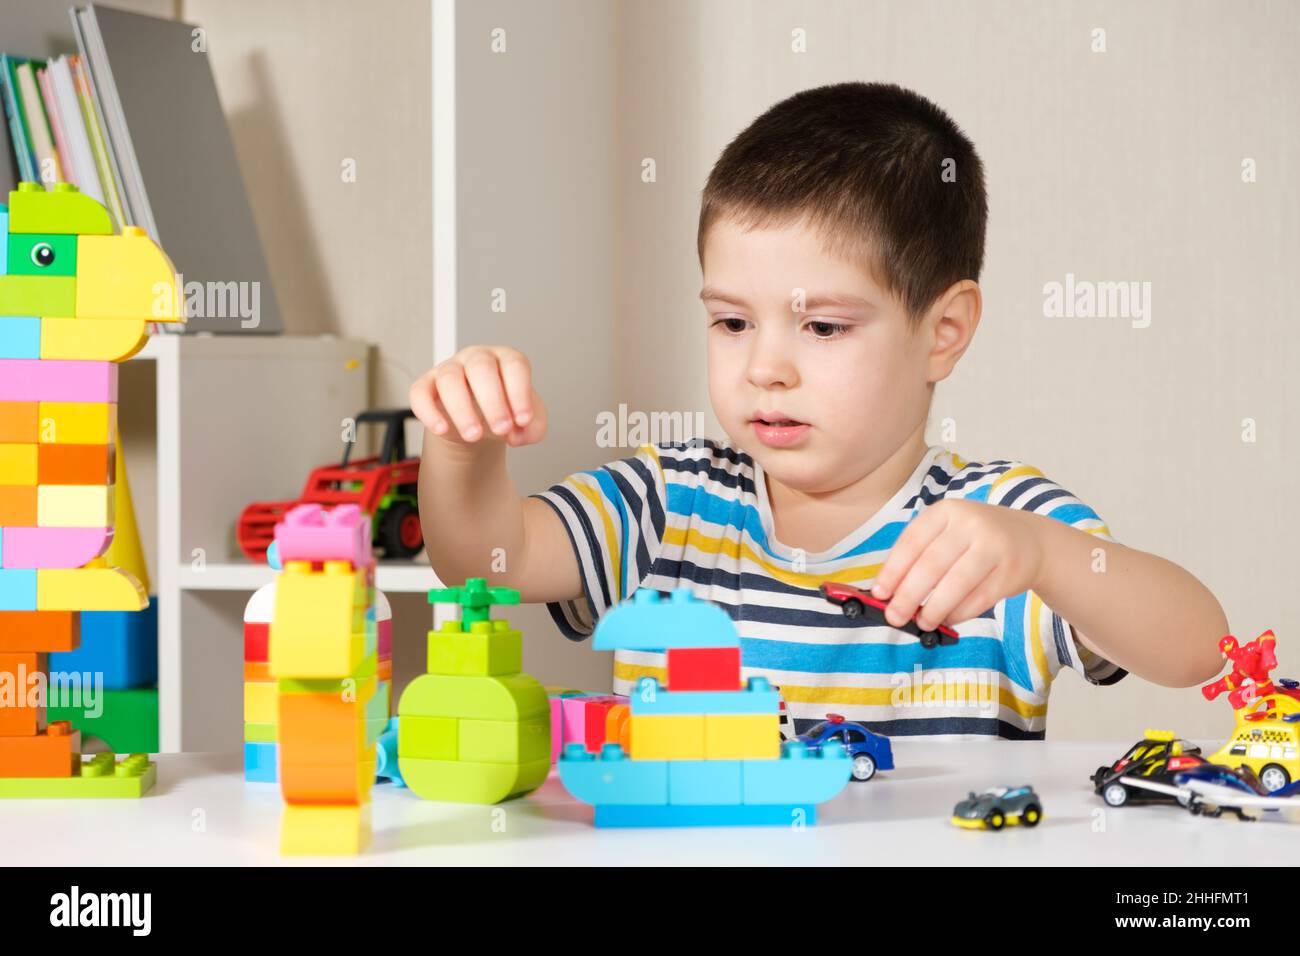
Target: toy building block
x: 128, y: 718
x: 703, y: 668
x: 474, y: 729
x: 74, y: 298
x: 122, y: 646
x: 325, y: 830
x: 21, y: 715
x: 315, y: 631
x: 260, y: 760
x: 716, y: 749
x: 386, y: 765
x: 97, y: 777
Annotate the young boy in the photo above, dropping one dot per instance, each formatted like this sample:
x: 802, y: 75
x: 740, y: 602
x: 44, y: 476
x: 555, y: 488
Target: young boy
x: 841, y: 239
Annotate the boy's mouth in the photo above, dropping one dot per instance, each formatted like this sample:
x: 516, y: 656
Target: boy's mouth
x: 778, y: 430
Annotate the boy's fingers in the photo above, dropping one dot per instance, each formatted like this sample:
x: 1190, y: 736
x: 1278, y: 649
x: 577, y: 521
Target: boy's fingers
x: 517, y: 376
x: 916, y: 537
x: 423, y: 405
x: 484, y: 376
x: 981, y: 597
x: 453, y: 392
x: 922, y: 578
x: 954, y: 588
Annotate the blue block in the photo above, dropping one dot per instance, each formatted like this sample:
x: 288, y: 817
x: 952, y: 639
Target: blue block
x: 17, y: 589
x: 386, y: 762
x: 649, y: 623
x: 121, y: 645
x: 675, y: 816
x: 799, y: 776
x: 260, y: 762
x: 612, y: 778
x: 759, y: 698
x: 20, y: 336
x: 704, y: 782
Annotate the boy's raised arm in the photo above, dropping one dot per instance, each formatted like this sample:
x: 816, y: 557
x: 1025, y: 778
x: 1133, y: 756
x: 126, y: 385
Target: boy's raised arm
x: 476, y: 523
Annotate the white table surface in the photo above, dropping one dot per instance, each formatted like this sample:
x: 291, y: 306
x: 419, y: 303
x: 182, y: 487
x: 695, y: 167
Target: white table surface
x: 202, y: 813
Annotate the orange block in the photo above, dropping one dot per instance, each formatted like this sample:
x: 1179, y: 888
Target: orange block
x: 616, y: 724
x: 19, y: 422
x: 50, y: 754
x: 40, y: 630
x: 328, y: 783
x: 24, y: 715
x: 257, y: 671
x: 74, y: 465
x: 18, y: 506
x: 320, y: 729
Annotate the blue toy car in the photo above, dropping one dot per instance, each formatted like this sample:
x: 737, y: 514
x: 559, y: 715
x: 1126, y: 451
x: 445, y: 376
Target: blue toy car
x: 869, y: 752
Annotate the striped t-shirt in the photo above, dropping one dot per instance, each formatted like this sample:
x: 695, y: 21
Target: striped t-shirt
x: 698, y: 515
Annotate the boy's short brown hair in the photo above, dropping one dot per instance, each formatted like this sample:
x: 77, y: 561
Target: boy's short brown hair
x: 865, y: 163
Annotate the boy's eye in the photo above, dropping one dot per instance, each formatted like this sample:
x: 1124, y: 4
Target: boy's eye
x: 732, y: 323
x: 827, y: 330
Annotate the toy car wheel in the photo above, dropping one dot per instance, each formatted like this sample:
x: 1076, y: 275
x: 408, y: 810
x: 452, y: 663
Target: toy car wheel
x: 864, y: 768
x: 1195, y: 807
x: 929, y: 639
x: 852, y: 608
x: 1274, y: 777
x: 995, y: 820
x: 1115, y: 794
x: 400, y: 532
x: 1033, y: 813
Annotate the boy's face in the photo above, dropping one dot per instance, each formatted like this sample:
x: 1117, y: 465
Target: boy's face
x: 813, y: 369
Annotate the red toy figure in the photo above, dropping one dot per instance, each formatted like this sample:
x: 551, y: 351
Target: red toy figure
x: 1248, y: 681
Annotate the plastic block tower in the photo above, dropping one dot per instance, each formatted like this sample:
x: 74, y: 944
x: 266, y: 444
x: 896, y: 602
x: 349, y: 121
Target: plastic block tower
x: 262, y: 691
x: 707, y: 749
x: 118, y: 647
x: 474, y: 729
x: 322, y: 650
x: 75, y: 299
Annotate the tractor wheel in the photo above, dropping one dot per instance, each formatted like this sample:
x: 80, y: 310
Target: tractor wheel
x: 400, y: 532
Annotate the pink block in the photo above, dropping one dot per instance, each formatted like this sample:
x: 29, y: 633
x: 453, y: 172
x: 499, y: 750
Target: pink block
x: 312, y: 533
x: 557, y: 726
x: 384, y: 626
x: 52, y: 547
x: 573, y: 719
x: 57, y: 380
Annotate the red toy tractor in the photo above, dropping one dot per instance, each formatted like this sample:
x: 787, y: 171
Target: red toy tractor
x: 384, y: 487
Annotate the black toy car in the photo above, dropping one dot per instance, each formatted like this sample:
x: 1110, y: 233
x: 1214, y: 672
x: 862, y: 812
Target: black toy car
x: 1146, y: 773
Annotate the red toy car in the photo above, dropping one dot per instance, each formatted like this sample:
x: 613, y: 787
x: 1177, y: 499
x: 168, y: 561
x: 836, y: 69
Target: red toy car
x: 855, y: 601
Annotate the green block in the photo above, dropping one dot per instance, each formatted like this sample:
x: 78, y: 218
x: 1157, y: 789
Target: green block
x: 459, y: 781
x: 260, y: 733
x: 489, y: 648
x: 64, y: 210
x: 42, y: 255
x: 128, y: 722
x: 505, y: 741
x: 99, y: 777
x: 513, y: 697
x: 429, y: 738
x: 475, y: 599
x: 45, y: 296
x: 378, y: 707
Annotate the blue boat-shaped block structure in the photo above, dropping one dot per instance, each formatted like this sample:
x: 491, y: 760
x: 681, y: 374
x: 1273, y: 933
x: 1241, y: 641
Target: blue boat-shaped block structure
x: 710, y: 755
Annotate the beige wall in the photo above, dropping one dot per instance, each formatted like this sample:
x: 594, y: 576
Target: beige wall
x: 1124, y: 165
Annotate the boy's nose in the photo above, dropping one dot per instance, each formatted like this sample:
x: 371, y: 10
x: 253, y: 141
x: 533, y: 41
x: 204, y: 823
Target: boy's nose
x: 770, y: 365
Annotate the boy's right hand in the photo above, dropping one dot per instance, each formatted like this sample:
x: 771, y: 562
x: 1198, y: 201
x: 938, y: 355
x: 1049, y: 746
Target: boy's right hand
x: 482, y: 389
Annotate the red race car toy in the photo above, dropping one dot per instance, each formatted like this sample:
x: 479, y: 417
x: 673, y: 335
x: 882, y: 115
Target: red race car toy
x: 855, y: 602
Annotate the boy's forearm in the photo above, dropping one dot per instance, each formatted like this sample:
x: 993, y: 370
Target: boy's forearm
x: 469, y: 507
x: 1140, y: 611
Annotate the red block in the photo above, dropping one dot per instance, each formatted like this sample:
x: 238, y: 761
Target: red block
x: 256, y: 641
x: 704, y: 668
x: 594, y: 713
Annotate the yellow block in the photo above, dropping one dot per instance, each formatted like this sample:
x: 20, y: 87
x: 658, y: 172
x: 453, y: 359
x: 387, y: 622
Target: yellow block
x: 312, y: 633
x: 261, y: 702
x: 88, y: 589
x: 17, y: 464
x: 126, y: 277
x: 666, y: 737
x: 74, y: 506
x: 742, y: 736
x: 125, y: 552
x: 77, y: 423
x: 100, y: 340
x: 325, y: 830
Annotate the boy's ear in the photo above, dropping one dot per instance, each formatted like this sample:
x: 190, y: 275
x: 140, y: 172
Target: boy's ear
x: 952, y: 321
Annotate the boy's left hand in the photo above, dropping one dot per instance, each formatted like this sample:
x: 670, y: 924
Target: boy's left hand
x: 965, y: 556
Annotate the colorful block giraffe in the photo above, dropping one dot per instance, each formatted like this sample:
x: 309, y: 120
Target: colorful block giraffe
x: 75, y: 299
